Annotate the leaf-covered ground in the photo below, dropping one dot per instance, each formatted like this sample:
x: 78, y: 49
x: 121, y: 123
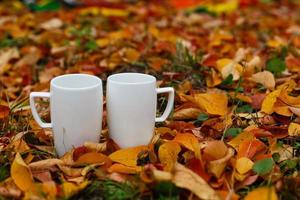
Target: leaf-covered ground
x: 234, y: 132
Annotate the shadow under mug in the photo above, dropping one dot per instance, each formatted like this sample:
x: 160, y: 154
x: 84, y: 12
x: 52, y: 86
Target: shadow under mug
x: 131, y: 100
x: 76, y: 102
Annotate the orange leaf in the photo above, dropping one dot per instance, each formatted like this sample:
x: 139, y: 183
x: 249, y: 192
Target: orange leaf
x: 127, y: 156
x: 168, y: 154
x: 249, y: 148
x: 214, y: 150
x: 123, y: 169
x: 212, y: 103
x: 244, y: 136
x: 93, y: 158
x: 189, y: 141
x: 196, y: 166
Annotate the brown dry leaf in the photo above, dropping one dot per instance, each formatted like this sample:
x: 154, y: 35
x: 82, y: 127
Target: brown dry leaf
x: 127, y: 156
x: 262, y: 193
x: 45, y: 164
x: 98, y: 147
x: 123, y: 169
x: 294, y: 129
x: 212, y: 103
x: 5, y: 56
x: 187, y: 179
x: 217, y: 167
x: 168, y: 154
x: 265, y: 78
x: 189, y: 141
x: 52, y: 24
x: 21, y: 174
x: 186, y: 113
x: 4, y: 111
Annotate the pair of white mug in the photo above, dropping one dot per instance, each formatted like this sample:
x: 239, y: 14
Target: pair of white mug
x: 76, y: 109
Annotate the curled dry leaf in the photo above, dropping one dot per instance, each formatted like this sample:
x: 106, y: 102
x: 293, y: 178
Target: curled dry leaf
x: 217, y: 167
x: 98, y: 147
x: 168, y: 154
x: 45, y: 164
x: 265, y: 78
x: 127, y: 156
x: 21, y: 174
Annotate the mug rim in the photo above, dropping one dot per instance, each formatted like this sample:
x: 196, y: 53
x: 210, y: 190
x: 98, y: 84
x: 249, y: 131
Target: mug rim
x: 149, y: 78
x: 91, y: 86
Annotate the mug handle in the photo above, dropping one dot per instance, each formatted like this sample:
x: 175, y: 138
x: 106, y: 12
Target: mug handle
x: 33, y: 108
x: 169, y: 107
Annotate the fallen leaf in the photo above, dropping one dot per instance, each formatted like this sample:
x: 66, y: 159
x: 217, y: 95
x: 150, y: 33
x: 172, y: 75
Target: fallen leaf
x: 4, y: 111
x: 185, y: 178
x: 217, y: 167
x: 244, y: 136
x: 249, y: 148
x: 188, y: 141
x: 269, y: 101
x: 21, y: 174
x: 265, y: 78
x: 294, y: 129
x: 262, y: 193
x: 263, y: 166
x: 94, y: 158
x: 243, y: 165
x: 45, y: 164
x: 214, y: 150
x: 70, y: 189
x: 186, y: 113
x: 127, y: 156
x: 168, y: 154
x: 212, y: 103
x: 52, y: 24
x: 123, y: 169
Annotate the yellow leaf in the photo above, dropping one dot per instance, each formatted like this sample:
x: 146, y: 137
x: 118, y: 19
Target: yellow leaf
x: 265, y: 78
x: 72, y: 188
x: 127, y: 156
x: 114, y: 12
x: 240, y: 177
x: 235, y: 142
x: 123, y: 169
x: 21, y: 174
x: 262, y: 193
x: 93, y: 158
x: 269, y: 101
x: 226, y: 7
x: 294, y: 129
x: 102, y: 42
x: 168, y: 154
x: 212, y: 103
x: 49, y: 188
x: 227, y: 66
x: 243, y: 165
x: 189, y: 141
x: 213, y: 79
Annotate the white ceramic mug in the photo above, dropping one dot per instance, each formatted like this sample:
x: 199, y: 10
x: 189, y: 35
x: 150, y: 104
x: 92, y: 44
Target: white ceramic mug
x: 76, y: 102
x: 131, y: 100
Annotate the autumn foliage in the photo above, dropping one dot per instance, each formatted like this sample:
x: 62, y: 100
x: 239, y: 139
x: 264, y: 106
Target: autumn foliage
x: 235, y: 129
